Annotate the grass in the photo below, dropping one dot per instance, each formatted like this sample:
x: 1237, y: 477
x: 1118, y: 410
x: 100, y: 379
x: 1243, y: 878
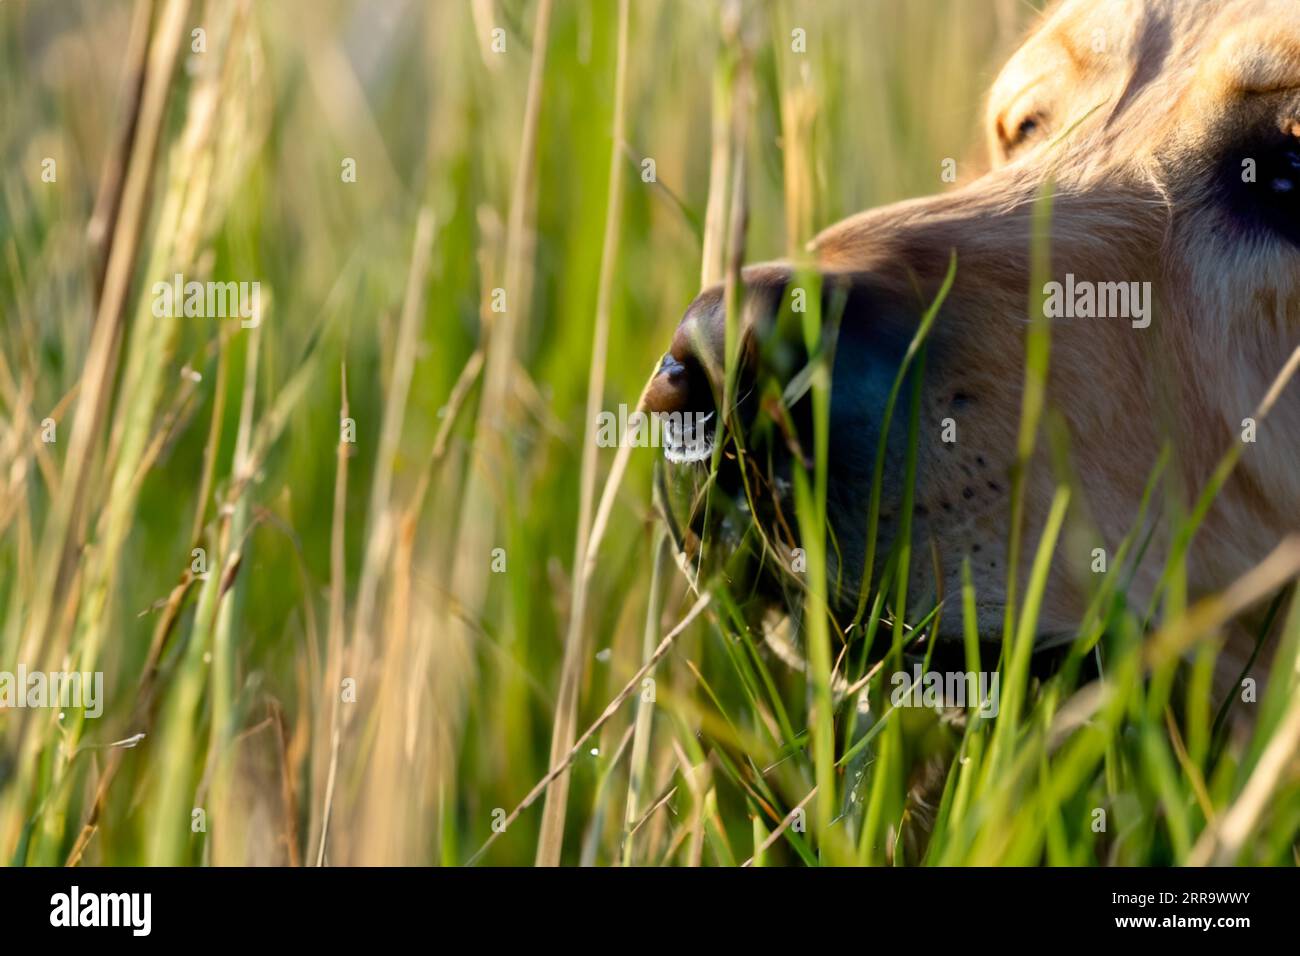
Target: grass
x: 462, y: 636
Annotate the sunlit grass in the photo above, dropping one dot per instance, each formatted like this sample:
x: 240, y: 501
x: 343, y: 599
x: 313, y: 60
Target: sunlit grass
x: 354, y: 651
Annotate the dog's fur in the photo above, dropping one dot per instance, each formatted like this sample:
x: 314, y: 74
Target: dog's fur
x: 1142, y: 114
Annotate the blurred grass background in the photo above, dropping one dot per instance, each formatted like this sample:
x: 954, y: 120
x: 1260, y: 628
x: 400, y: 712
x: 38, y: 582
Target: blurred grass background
x: 360, y: 676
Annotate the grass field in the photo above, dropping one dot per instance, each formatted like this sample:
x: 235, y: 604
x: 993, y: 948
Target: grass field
x: 357, y: 575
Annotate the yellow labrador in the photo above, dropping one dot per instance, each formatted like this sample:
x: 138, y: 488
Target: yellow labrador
x: 1170, y: 132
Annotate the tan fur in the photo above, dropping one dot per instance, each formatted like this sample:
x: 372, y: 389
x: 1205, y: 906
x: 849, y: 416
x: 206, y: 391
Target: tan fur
x: 1134, y: 101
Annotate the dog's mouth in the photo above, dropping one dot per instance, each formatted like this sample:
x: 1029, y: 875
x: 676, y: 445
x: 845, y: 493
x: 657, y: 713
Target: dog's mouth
x: 685, y: 413
x: 723, y: 488
x: 727, y: 484
x: 689, y: 437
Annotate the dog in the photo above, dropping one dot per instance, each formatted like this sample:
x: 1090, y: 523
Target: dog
x: 1167, y: 133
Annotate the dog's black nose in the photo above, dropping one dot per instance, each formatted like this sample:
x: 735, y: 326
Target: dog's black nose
x: 680, y: 386
x: 672, y: 368
x: 683, y: 383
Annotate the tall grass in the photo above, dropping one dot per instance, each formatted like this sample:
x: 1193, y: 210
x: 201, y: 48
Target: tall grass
x: 461, y: 636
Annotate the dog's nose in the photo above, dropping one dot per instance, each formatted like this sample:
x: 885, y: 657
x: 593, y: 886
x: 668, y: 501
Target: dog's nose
x: 682, y: 384
x: 670, y: 390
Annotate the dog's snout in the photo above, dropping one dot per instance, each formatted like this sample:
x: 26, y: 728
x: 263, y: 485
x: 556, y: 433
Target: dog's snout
x: 679, y: 386
x: 669, y: 390
x: 682, y: 383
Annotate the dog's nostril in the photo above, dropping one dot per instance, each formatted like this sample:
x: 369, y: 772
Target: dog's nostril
x: 675, y: 370
x: 669, y: 389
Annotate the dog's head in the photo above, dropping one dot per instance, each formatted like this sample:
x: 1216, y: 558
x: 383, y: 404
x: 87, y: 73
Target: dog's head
x: 1168, y: 134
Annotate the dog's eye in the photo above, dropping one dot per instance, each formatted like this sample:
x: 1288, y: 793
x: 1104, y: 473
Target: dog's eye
x: 1027, y: 130
x: 1262, y: 179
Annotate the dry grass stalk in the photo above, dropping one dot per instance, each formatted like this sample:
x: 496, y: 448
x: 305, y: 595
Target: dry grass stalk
x: 550, y: 840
